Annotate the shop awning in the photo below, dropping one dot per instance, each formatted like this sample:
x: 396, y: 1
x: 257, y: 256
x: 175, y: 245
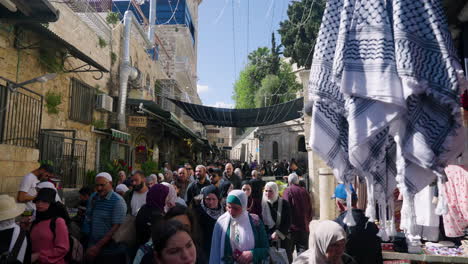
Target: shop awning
x: 253, y: 117
x: 74, y: 52
x: 120, y: 135
x: 169, y: 118
x: 37, y: 11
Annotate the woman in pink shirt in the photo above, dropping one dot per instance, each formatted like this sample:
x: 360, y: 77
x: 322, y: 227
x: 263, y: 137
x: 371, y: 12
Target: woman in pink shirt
x: 49, y: 246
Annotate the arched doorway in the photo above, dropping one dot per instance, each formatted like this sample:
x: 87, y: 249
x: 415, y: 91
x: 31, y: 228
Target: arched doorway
x: 275, y: 150
x: 301, y: 146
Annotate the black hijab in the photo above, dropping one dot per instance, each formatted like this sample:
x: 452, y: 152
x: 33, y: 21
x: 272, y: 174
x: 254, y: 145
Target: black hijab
x: 224, y: 188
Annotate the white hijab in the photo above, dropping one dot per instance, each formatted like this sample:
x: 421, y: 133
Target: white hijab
x: 323, y: 234
x: 266, y: 212
x: 49, y: 185
x: 171, y: 197
x: 244, y: 228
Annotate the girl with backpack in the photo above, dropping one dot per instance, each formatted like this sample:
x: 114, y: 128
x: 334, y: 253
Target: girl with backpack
x: 49, y: 232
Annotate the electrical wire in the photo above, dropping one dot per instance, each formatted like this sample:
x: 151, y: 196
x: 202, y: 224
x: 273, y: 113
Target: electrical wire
x: 174, y: 11
x: 221, y: 13
x: 248, y: 26
x: 234, y: 39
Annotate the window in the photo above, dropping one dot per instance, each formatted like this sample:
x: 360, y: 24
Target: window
x: 82, y: 101
x: 301, y: 146
x: 221, y: 140
x: 275, y: 150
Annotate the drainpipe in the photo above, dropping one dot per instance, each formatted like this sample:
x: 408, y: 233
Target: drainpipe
x: 127, y: 72
x: 152, y: 20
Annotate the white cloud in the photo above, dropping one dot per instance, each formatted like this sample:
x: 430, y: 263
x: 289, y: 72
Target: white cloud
x: 202, y: 88
x: 222, y: 105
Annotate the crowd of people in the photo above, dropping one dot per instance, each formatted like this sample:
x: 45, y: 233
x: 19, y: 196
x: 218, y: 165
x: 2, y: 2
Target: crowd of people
x: 208, y: 215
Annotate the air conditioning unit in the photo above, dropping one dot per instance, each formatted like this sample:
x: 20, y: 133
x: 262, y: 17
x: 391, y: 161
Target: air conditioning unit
x: 104, y: 103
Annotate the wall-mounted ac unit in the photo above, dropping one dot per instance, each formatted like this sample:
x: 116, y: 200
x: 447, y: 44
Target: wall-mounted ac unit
x: 104, y: 102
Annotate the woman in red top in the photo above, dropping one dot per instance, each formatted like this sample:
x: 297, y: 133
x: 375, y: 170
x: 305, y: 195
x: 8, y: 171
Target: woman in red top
x: 49, y: 246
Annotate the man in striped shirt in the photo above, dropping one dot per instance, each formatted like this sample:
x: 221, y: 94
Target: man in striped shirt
x: 106, y: 212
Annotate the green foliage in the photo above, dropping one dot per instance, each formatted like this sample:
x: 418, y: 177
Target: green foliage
x: 150, y: 167
x: 102, y: 42
x: 112, y: 18
x: 99, y: 124
x: 266, y: 80
x: 53, y: 100
x: 113, y: 57
x: 46, y: 162
x: 300, y: 30
x: 52, y: 60
x: 113, y: 168
x: 90, y: 176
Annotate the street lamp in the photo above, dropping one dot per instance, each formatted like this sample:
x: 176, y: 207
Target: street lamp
x: 41, y: 79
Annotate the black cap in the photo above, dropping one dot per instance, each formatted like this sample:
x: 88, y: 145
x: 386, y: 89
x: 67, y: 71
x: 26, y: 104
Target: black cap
x: 46, y: 195
x: 48, y: 168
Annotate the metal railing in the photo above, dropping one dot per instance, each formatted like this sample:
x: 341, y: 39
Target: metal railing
x: 66, y: 153
x: 20, y: 117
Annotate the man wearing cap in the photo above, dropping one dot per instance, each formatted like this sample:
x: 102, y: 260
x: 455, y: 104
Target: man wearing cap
x: 362, y: 242
x: 27, y: 190
x: 11, y: 236
x: 106, y: 212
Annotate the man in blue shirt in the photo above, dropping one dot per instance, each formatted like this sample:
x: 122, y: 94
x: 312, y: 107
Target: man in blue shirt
x: 106, y: 212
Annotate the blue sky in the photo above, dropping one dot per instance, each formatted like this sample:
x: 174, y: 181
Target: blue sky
x: 216, y: 68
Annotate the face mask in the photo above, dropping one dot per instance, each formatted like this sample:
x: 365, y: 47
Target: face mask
x: 138, y: 187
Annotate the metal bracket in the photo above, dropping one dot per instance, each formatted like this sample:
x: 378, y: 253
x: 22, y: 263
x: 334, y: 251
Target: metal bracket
x: 84, y: 68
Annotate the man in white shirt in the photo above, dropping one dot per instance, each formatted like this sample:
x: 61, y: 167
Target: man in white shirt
x: 27, y: 189
x: 136, y: 198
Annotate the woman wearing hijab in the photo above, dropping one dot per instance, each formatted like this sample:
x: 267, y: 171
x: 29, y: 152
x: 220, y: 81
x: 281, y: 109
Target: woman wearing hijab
x: 49, y: 239
x: 151, y: 212
x: 254, y: 206
x: 171, y: 198
x: 224, y: 189
x: 238, y: 236
x: 276, y: 215
x: 327, y: 243
x: 183, y: 215
x: 208, y: 212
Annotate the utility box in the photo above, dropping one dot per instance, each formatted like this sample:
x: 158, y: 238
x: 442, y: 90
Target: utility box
x: 104, y: 103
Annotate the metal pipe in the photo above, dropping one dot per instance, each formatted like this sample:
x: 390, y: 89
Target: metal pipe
x: 152, y: 20
x: 126, y: 70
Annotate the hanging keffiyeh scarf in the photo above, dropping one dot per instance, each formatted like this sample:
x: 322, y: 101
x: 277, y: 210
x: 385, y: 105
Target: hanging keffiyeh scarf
x: 385, y: 84
x: 266, y: 211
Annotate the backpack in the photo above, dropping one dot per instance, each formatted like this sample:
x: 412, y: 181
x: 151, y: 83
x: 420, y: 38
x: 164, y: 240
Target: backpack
x: 75, y: 253
x: 11, y: 257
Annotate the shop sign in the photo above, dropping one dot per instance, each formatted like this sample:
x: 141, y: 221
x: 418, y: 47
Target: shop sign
x: 137, y: 121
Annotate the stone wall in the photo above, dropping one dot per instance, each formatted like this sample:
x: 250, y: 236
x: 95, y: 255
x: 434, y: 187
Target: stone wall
x: 15, y: 163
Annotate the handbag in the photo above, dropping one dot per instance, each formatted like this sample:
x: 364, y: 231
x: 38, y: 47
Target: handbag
x: 277, y: 254
x: 126, y: 234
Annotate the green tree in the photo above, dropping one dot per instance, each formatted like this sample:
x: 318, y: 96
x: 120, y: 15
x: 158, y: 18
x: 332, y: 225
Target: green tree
x: 300, y: 30
x: 266, y: 80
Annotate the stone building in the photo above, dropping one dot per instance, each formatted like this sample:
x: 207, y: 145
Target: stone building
x: 72, y: 119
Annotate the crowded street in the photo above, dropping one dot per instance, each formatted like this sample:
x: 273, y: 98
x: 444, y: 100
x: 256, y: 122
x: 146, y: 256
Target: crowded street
x: 233, y: 132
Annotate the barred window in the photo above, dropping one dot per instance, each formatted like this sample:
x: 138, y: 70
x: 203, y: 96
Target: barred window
x: 82, y: 101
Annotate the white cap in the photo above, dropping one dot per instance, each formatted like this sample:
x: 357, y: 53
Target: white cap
x: 104, y: 175
x: 121, y: 188
x: 46, y: 184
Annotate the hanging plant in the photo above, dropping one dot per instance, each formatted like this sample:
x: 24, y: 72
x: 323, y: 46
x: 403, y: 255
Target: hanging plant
x: 53, y: 100
x: 51, y: 59
x: 99, y: 124
x: 113, y: 57
x: 112, y: 18
x: 102, y: 42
